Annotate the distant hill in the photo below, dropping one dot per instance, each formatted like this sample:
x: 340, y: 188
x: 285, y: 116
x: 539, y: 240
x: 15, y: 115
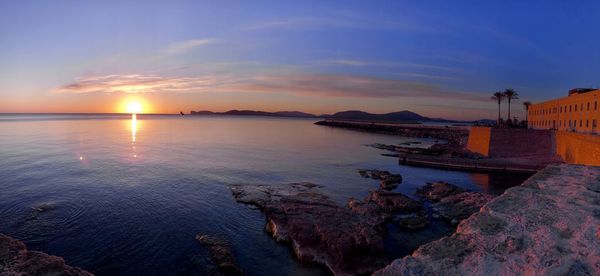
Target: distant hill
x: 235, y: 112
x: 354, y: 115
x: 365, y: 116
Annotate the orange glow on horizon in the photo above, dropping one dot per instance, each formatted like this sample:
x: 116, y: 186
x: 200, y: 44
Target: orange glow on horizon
x: 133, y: 105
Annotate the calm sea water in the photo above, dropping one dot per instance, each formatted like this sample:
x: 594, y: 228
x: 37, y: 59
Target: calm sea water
x: 118, y: 196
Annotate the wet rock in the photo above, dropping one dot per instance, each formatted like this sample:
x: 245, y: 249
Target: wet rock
x: 383, y: 146
x: 15, y: 259
x: 221, y: 254
x: 546, y: 226
x: 381, y: 206
x: 437, y: 190
x: 260, y: 195
x: 455, y: 208
x: 452, y: 203
x: 318, y: 230
x: 388, y: 181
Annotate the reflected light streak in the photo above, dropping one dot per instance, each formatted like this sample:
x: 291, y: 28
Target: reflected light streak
x: 133, y: 127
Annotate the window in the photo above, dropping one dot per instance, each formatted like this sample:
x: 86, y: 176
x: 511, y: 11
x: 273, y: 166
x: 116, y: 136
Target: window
x: 575, y: 107
x: 588, y: 106
x: 570, y: 108
x: 587, y: 123
x: 580, y: 123
x: 596, y: 105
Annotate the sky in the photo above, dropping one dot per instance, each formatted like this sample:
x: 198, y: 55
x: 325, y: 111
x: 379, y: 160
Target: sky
x: 436, y: 58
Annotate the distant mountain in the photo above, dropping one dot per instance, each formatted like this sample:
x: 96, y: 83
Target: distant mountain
x: 365, y: 116
x: 355, y: 115
x: 296, y: 114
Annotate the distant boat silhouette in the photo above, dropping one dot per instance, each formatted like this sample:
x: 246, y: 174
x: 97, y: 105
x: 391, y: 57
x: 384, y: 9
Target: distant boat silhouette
x: 181, y: 113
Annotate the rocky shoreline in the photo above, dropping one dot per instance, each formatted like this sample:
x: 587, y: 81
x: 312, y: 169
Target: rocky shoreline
x: 549, y: 225
x: 15, y: 259
x: 349, y: 240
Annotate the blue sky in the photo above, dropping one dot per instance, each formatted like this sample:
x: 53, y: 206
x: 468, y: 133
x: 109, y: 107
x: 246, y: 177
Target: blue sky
x: 438, y: 58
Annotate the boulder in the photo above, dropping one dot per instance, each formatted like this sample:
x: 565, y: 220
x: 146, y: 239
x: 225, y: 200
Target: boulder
x: 15, y: 259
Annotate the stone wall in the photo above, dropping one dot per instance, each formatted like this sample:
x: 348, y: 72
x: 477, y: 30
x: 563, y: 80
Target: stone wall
x: 479, y: 140
x: 577, y: 148
x: 505, y: 142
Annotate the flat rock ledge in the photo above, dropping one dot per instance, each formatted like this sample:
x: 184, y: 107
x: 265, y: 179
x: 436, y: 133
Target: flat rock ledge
x: 549, y: 225
x: 318, y: 230
x: 15, y: 259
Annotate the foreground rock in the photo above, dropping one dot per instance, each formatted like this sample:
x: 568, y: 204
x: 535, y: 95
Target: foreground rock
x: 388, y: 181
x: 382, y: 206
x: 550, y: 225
x: 221, y: 254
x: 435, y: 191
x: 15, y: 259
x: 452, y: 203
x: 318, y: 230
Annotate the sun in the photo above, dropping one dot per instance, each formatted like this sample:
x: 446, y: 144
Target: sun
x: 134, y: 107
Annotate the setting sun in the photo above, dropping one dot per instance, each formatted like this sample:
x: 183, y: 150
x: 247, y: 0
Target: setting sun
x: 134, y: 108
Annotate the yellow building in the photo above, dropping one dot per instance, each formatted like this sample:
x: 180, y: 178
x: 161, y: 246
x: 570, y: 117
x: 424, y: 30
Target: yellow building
x: 577, y: 112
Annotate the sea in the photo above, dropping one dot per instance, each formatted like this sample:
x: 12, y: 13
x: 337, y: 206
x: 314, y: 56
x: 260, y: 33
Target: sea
x: 117, y: 194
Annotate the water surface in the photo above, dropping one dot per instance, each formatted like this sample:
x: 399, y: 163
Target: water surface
x: 118, y: 196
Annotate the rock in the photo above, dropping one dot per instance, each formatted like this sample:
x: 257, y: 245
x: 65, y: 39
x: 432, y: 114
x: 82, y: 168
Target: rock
x: 319, y: 230
x: 388, y: 181
x: 383, y: 146
x: 455, y: 208
x: 15, y: 259
x: 453, y: 203
x: 437, y: 190
x: 221, y: 254
x: 382, y: 206
x: 259, y: 195
x: 546, y: 226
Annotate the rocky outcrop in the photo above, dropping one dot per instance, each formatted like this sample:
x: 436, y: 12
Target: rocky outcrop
x: 318, y: 230
x: 387, y: 180
x: 550, y: 225
x: 221, y: 254
x: 383, y: 206
x: 15, y: 259
x: 452, y: 203
x: 435, y: 191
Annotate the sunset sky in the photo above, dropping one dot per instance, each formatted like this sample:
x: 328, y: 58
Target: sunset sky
x: 437, y: 58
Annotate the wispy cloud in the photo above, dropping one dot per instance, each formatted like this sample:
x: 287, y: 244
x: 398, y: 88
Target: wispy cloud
x: 185, y: 46
x: 136, y: 83
x: 340, y: 20
x: 365, y: 63
x: 299, y: 23
x: 322, y: 85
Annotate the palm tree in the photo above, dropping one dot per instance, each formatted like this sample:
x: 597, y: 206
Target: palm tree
x: 510, y: 94
x: 498, y: 96
x: 527, y: 104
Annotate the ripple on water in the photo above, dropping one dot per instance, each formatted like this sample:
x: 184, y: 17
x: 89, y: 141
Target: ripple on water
x: 40, y: 221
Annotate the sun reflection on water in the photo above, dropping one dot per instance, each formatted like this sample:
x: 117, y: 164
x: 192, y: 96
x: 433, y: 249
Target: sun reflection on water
x: 133, y: 127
